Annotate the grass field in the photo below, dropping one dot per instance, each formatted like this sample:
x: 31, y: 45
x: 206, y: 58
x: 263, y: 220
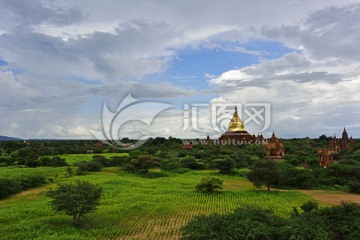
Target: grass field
x: 135, y: 208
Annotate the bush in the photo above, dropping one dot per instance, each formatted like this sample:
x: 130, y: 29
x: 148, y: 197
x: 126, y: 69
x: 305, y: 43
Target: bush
x: 244, y: 223
x: 191, y: 163
x: 84, y: 167
x: 332, y: 223
x: 55, y: 161
x: 9, y: 187
x: 141, y: 164
x: 309, y: 206
x: 354, y: 187
x: 12, y: 186
x: 209, y: 184
x: 32, y: 181
x: 225, y: 165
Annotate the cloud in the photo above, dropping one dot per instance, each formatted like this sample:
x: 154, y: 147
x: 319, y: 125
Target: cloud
x: 331, y: 32
x: 65, y: 60
x: 294, y: 66
x: 134, y: 50
x: 26, y: 14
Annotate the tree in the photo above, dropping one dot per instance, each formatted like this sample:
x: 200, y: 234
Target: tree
x: 243, y: 223
x: 55, y: 161
x: 263, y: 172
x: 209, y: 184
x: 225, y: 165
x: 191, y: 163
x: 76, y: 199
x: 143, y: 163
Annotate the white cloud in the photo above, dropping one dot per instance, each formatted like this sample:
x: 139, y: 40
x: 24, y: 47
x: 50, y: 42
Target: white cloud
x: 331, y: 32
x: 65, y: 60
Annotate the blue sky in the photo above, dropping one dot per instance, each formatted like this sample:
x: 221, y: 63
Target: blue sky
x: 61, y: 61
x: 194, y: 66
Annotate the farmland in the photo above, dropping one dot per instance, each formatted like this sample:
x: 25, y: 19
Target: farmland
x: 133, y: 207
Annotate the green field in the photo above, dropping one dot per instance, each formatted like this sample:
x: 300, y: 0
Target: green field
x: 133, y: 207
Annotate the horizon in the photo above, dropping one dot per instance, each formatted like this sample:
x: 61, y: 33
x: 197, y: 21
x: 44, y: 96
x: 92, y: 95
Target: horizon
x: 66, y: 67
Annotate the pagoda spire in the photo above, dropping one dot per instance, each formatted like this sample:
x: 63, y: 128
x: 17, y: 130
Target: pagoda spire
x: 236, y: 124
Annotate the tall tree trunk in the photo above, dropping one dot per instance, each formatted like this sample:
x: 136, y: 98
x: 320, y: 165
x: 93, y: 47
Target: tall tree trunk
x: 268, y: 186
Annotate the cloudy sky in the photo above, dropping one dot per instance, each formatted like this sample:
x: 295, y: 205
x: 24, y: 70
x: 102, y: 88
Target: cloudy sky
x: 62, y: 60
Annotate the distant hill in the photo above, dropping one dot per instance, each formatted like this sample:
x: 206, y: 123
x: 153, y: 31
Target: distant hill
x: 4, y: 138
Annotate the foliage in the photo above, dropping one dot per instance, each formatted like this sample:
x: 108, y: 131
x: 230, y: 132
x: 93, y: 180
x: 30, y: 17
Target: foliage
x: 309, y: 206
x: 340, y: 222
x: 132, y: 206
x: 191, y: 163
x: 291, y: 177
x: 55, y: 161
x: 209, y: 185
x: 11, y: 186
x: 244, y: 223
x: 142, y: 163
x: 258, y: 150
x: 225, y: 165
x: 263, y: 172
x: 354, y: 187
x: 69, y: 171
x: 84, y: 167
x: 76, y: 199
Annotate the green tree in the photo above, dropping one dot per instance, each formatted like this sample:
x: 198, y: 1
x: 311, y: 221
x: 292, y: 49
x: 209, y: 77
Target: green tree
x: 244, y: 223
x: 191, y: 163
x: 263, y: 172
x: 209, y: 184
x: 225, y: 165
x: 143, y: 163
x: 76, y: 199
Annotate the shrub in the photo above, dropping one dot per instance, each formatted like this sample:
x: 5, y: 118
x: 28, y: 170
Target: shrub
x: 32, y: 181
x: 244, y: 223
x: 209, y: 184
x: 82, y: 168
x: 13, y: 186
x: 225, y: 165
x: 191, y: 163
x: 354, y: 187
x: 309, y: 206
x: 55, y: 161
x: 9, y: 187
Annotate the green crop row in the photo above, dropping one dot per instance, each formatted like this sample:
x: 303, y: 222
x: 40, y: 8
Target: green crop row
x: 137, y: 208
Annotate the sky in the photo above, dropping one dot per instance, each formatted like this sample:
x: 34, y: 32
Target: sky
x: 68, y: 68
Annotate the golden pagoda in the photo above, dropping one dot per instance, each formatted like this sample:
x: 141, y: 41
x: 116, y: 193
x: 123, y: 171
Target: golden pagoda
x: 236, y: 131
x: 236, y: 124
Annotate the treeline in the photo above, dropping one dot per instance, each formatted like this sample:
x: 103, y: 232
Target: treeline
x: 332, y: 223
x: 10, y: 186
x: 283, y: 175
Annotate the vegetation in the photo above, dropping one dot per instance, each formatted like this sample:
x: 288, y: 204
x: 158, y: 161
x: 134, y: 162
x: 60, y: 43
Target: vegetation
x: 149, y: 192
x: 209, y: 185
x: 263, y: 172
x: 134, y: 207
x: 76, y: 199
x: 339, y: 222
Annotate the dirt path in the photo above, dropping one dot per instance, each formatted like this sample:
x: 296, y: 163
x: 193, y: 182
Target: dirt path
x: 332, y: 197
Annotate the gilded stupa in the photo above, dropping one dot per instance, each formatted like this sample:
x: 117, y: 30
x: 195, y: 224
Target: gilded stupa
x: 236, y: 131
x: 236, y: 124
